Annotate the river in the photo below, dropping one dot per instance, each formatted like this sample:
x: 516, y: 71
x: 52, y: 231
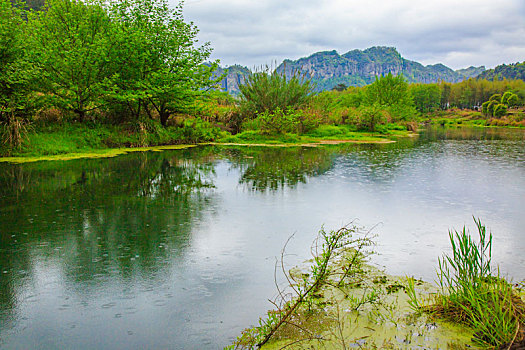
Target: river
x: 176, y: 249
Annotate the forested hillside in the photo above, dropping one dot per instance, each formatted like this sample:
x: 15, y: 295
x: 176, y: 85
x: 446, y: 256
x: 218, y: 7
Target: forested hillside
x: 505, y: 71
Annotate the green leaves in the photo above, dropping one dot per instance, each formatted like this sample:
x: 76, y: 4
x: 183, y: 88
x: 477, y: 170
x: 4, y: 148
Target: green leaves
x: 266, y: 91
x: 124, y: 54
x: 391, y: 93
x: 71, y: 42
x: 154, y: 56
x: 426, y: 97
x: 15, y: 72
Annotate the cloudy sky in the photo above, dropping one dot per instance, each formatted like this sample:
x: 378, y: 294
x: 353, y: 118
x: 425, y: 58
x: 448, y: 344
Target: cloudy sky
x: 457, y: 33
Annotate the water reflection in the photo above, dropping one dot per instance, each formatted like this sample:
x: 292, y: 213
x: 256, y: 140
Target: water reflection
x: 478, y: 134
x: 176, y: 249
x: 265, y: 169
x: 125, y: 219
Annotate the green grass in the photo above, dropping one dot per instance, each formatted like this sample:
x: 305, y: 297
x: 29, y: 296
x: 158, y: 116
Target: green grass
x: 473, y: 294
x: 75, y: 138
x: 95, y: 139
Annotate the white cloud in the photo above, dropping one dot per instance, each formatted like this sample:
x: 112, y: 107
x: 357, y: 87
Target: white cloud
x: 456, y: 33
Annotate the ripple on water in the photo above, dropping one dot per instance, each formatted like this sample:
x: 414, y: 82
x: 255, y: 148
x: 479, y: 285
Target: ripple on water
x: 109, y: 305
x: 200, y: 292
x: 160, y: 302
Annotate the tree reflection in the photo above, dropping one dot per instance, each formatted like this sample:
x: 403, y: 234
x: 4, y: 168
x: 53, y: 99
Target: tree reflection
x: 270, y: 169
x: 126, y: 217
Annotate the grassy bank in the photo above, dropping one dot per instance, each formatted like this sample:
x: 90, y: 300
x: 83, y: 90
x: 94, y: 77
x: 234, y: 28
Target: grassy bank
x: 68, y: 138
x: 466, y: 117
x: 68, y: 141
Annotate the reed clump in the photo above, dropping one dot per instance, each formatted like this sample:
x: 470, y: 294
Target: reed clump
x: 472, y: 293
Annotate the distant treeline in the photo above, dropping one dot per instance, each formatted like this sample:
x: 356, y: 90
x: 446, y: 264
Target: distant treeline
x: 505, y: 71
x: 471, y: 93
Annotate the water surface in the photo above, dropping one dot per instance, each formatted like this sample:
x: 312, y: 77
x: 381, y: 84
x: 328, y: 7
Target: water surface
x: 176, y: 249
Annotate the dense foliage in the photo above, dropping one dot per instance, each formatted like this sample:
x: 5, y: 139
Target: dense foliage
x: 122, y: 61
x: 505, y: 71
x: 267, y: 91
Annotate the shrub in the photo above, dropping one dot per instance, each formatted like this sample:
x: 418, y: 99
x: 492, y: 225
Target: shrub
x: 266, y: 91
x: 278, y: 121
x: 198, y: 130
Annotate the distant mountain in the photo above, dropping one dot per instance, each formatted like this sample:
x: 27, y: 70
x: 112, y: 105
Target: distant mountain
x: 471, y: 72
x: 356, y: 68
x: 505, y: 71
x: 234, y: 77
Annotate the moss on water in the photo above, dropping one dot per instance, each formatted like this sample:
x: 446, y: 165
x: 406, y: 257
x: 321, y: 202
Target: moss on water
x: 105, y: 153
x: 370, y: 312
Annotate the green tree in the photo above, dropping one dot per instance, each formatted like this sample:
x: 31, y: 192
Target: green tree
x: 14, y: 70
x: 487, y: 108
x: 15, y: 75
x: 446, y: 89
x: 391, y: 93
x: 510, y: 99
x: 370, y: 117
x: 388, y: 90
x: 499, y: 110
x: 495, y: 98
x: 71, y: 46
x: 426, y: 97
x: 155, y: 59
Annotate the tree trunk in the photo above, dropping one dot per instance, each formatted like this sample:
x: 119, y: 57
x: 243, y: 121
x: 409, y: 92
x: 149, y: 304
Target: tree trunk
x: 164, y: 116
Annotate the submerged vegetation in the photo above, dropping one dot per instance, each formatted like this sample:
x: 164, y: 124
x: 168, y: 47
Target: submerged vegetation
x: 340, y: 300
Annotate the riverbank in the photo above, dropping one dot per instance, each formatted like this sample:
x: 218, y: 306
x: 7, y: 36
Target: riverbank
x: 467, y: 117
x: 73, y: 141
x: 60, y: 141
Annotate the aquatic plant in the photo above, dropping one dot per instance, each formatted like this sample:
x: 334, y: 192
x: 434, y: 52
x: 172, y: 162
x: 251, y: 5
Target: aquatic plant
x: 473, y: 294
x: 347, y: 246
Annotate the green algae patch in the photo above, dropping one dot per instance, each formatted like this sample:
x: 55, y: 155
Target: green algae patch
x: 106, y: 153
x: 373, y: 313
x: 356, y: 307
x: 308, y: 143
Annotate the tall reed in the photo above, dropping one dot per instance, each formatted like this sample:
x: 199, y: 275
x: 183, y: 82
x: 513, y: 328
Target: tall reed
x: 474, y: 294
